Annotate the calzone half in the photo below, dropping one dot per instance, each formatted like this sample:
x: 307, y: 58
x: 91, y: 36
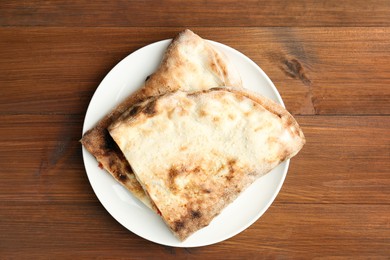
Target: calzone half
x: 194, y: 153
x: 190, y: 63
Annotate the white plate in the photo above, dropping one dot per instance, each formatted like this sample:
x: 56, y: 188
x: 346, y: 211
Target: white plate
x: 124, y: 79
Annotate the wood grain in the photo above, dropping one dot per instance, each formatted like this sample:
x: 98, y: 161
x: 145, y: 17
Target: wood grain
x: 345, y: 160
x: 328, y: 208
x: 328, y: 59
x: 306, y: 231
x: 195, y: 13
x: 317, y: 70
x: 342, y: 161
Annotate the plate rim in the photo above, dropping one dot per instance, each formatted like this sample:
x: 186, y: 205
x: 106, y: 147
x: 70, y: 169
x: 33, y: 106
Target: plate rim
x: 86, y: 155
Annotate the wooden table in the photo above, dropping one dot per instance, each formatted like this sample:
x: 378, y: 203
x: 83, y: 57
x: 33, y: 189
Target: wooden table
x: 330, y: 60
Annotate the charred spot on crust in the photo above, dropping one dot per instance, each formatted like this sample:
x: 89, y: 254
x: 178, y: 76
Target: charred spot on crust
x: 172, y: 174
x: 178, y: 225
x: 117, y: 163
x: 121, y: 176
x: 111, y: 163
x: 206, y: 191
x: 216, y: 89
x: 150, y: 108
x: 116, y: 171
x: 147, y: 78
x: 231, y: 163
x: 109, y: 143
x: 195, y: 214
x: 134, y: 110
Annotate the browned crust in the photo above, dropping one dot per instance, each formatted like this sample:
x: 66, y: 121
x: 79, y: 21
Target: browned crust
x: 189, y: 225
x: 197, y: 218
x: 100, y: 144
x: 237, y: 178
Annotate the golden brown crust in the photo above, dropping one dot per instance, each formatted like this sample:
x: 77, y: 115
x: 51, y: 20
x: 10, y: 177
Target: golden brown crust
x: 178, y: 67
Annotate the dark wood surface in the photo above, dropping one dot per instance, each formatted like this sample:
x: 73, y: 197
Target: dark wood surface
x: 330, y: 60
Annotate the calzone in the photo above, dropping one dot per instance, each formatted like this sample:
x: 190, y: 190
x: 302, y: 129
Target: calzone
x: 194, y: 153
x: 190, y: 63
